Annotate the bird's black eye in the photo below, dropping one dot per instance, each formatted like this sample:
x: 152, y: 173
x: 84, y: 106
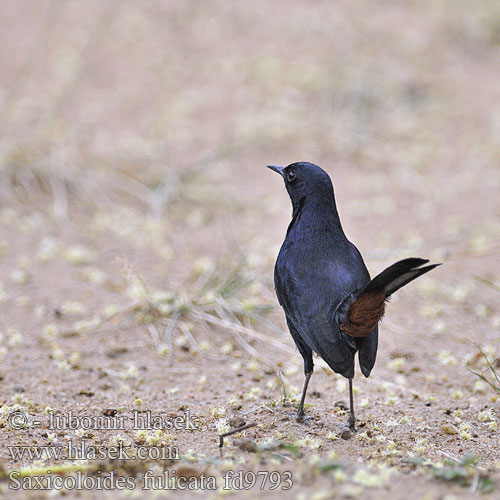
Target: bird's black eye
x: 290, y: 176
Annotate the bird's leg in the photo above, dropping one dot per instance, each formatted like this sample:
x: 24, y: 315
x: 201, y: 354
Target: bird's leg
x: 349, y: 428
x: 300, y: 412
x: 352, y: 420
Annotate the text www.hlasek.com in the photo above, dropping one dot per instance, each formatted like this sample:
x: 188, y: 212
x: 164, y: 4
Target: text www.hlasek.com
x: 84, y: 451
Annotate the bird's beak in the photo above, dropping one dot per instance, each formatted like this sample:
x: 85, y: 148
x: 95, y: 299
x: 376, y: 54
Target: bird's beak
x: 278, y: 169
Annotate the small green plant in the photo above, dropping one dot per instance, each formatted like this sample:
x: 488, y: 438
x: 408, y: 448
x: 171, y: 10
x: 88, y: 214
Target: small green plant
x: 464, y: 472
x: 494, y: 381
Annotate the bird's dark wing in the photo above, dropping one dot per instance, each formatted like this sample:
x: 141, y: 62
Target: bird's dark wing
x: 303, y: 348
x: 308, y: 307
x: 326, y: 340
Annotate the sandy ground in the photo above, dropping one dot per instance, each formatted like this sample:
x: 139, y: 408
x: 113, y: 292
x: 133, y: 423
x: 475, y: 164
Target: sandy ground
x: 139, y: 229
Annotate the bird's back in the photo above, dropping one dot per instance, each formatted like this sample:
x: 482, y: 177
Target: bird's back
x: 317, y: 267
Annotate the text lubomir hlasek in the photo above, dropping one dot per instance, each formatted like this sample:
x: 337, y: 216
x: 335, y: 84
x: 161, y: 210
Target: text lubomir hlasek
x: 138, y: 420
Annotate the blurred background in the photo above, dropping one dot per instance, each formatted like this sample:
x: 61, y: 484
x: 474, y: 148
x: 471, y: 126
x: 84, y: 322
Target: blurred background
x: 134, y: 197
x: 144, y: 103
x: 397, y: 101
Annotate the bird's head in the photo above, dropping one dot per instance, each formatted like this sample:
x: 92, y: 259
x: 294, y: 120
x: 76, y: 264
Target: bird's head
x: 305, y: 180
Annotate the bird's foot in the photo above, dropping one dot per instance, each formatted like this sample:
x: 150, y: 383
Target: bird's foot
x: 351, y: 423
x: 345, y: 433
x: 348, y: 429
x: 303, y: 419
x: 300, y: 417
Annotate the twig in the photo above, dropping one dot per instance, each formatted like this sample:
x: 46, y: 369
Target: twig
x: 247, y: 331
x: 486, y: 282
x: 234, y: 431
x: 189, y: 337
x: 226, y: 315
x: 108, y: 13
x: 153, y: 331
x: 283, y: 387
x: 257, y: 408
x: 282, y: 456
x: 35, y: 54
x: 475, y: 483
x: 458, y: 461
x: 450, y: 456
x: 168, y: 335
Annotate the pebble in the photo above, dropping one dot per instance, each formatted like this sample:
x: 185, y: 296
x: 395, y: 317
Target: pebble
x: 449, y: 429
x: 236, y: 422
x: 246, y: 445
x: 345, y: 433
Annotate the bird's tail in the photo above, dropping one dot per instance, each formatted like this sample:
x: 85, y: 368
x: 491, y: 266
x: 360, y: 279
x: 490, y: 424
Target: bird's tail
x: 398, y: 275
x: 361, y: 311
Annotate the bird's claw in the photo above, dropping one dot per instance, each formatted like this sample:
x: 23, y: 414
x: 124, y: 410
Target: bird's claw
x: 348, y: 429
x: 351, y: 423
x: 345, y: 433
x: 300, y: 417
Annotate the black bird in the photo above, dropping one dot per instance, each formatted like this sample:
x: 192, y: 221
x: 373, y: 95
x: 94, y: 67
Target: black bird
x: 332, y: 307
